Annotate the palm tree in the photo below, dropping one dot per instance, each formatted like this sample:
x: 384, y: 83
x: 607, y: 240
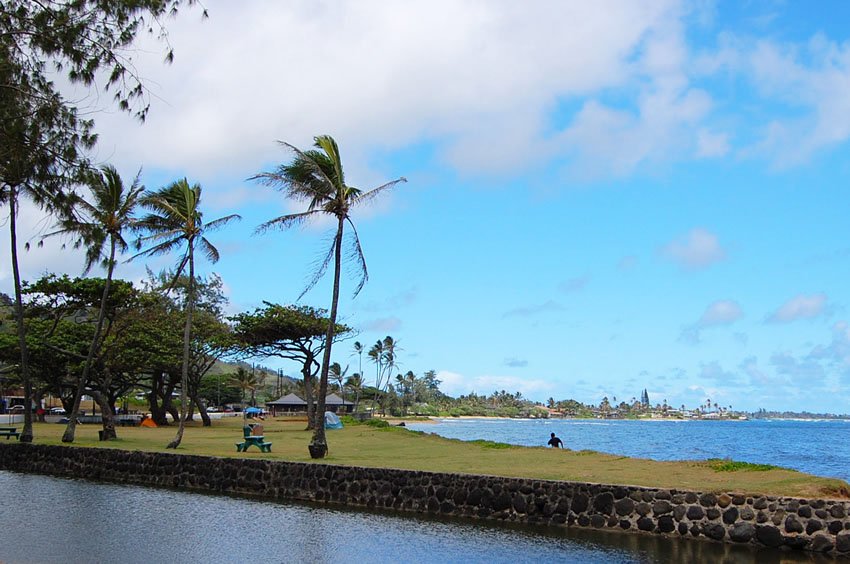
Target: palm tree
x: 338, y: 375
x: 176, y: 220
x: 99, y: 225
x: 355, y: 384
x: 358, y: 350
x: 316, y: 176
x: 246, y: 382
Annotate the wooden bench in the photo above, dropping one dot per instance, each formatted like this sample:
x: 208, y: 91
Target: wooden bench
x: 249, y: 438
x: 10, y: 432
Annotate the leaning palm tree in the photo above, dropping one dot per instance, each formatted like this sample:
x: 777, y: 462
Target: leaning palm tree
x: 98, y: 224
x: 175, y: 219
x: 316, y: 176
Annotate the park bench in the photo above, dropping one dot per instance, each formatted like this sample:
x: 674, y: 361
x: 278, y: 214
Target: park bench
x: 9, y: 432
x: 249, y: 438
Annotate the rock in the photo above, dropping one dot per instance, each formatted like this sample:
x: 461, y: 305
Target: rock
x: 712, y: 513
x: 691, y: 497
x: 643, y: 508
x: 666, y: 524
x: 747, y: 513
x: 837, y: 511
x: 624, y: 506
x: 625, y: 524
x: 742, y: 532
x: 804, y: 511
x: 821, y: 513
x: 792, y: 525
x: 834, y: 527
x: 683, y: 529
x: 520, y: 505
x: 769, y: 536
x: 761, y: 517
x: 579, y: 504
x: 723, y: 500
x: 760, y: 503
x: 679, y: 512
x: 842, y: 542
x: 797, y: 543
x: 597, y: 521
x: 604, y: 503
x: 695, y: 513
x: 714, y: 531
x: 813, y: 526
x: 739, y: 500
x: 708, y: 500
x: 646, y: 524
x: 661, y: 507
x: 663, y: 494
x: 730, y: 515
x: 821, y: 543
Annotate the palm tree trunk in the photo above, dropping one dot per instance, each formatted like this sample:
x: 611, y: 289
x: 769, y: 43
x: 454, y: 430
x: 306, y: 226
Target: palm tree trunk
x: 187, y: 337
x: 26, y: 434
x: 319, y: 445
x: 68, y: 436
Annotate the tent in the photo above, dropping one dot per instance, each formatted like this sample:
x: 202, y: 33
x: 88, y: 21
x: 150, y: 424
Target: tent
x: 253, y: 411
x: 332, y: 421
x: 147, y: 422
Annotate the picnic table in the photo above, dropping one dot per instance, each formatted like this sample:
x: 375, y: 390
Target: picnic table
x: 252, y: 435
x: 10, y: 432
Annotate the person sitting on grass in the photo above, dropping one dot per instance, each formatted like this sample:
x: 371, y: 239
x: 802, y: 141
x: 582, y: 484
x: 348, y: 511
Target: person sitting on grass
x: 555, y: 442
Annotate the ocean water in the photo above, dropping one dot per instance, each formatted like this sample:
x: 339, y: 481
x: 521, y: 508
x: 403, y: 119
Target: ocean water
x: 50, y: 520
x: 817, y: 447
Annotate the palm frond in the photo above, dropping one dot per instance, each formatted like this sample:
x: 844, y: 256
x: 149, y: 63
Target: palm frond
x: 356, y: 254
x: 209, y: 250
x: 222, y: 221
x: 284, y: 221
x: 366, y: 197
x: 319, y: 271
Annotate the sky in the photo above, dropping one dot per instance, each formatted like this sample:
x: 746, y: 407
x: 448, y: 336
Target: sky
x: 602, y: 197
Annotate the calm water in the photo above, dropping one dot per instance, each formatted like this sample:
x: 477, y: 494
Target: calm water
x: 817, y: 447
x: 53, y: 520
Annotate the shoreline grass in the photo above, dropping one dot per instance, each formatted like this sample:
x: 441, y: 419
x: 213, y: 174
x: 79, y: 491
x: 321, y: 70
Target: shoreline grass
x: 396, y: 447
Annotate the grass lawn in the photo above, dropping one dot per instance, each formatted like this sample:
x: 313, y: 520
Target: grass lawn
x: 396, y: 447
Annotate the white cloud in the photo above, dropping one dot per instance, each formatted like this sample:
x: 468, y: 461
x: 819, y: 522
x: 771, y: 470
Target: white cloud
x: 455, y: 384
x: 457, y: 71
x: 800, y: 307
x: 719, y: 313
x: 697, y: 249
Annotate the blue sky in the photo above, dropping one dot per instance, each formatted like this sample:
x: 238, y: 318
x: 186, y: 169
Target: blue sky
x: 602, y: 197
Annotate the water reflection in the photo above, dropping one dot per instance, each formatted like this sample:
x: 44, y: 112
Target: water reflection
x: 49, y: 520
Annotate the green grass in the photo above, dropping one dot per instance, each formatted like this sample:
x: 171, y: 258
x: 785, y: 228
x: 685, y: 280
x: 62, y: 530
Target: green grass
x: 726, y: 465
x: 396, y: 447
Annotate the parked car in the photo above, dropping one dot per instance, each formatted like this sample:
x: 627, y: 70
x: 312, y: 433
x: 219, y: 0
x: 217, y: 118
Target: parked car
x: 16, y: 409
x: 58, y: 411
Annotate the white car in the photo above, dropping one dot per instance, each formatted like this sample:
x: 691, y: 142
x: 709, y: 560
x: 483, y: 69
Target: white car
x: 58, y: 411
x: 16, y: 409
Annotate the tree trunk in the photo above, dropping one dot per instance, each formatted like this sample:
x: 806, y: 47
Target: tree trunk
x: 319, y: 445
x: 307, y: 374
x: 205, y: 418
x: 107, y: 415
x: 187, y: 337
x: 68, y: 436
x: 26, y: 434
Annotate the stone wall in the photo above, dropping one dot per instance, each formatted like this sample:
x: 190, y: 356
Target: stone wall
x: 816, y: 525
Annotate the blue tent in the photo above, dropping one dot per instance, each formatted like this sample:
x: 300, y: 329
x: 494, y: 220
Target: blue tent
x: 332, y: 421
x: 253, y: 410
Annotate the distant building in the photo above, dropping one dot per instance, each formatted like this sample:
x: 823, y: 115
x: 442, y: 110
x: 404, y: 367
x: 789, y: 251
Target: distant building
x: 291, y: 404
